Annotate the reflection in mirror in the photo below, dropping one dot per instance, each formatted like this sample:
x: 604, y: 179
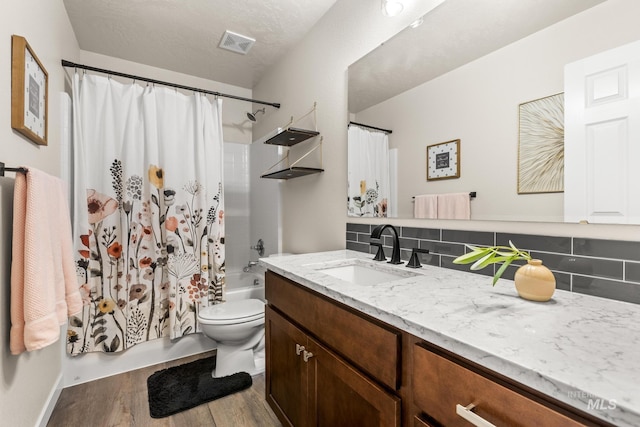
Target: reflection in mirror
x: 372, y: 172
x: 463, y: 74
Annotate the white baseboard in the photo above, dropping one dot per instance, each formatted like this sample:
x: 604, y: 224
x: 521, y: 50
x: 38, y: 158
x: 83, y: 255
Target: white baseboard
x: 43, y: 419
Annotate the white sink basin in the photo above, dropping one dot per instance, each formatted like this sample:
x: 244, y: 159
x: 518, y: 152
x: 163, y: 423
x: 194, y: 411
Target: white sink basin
x: 363, y: 272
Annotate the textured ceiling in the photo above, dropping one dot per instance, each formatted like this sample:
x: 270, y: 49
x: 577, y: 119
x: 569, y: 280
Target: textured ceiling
x: 453, y: 34
x: 183, y: 35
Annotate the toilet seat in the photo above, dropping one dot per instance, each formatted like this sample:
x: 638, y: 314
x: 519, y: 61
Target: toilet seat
x: 240, y: 311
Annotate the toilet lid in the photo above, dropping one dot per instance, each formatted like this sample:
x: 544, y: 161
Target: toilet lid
x: 245, y: 309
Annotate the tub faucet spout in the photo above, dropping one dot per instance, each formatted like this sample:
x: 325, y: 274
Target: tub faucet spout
x: 248, y: 266
x: 377, y: 232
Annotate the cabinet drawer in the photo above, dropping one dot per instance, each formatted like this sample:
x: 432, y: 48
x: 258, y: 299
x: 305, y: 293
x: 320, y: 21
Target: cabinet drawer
x: 365, y: 343
x: 440, y: 384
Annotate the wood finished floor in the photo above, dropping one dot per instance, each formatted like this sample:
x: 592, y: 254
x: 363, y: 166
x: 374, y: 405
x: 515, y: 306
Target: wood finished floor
x: 121, y: 400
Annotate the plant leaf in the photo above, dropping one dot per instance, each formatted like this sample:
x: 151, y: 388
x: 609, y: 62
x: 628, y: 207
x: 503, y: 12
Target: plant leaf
x: 484, y: 261
x: 501, y: 270
x: 521, y: 254
x: 507, y: 254
x: 470, y: 257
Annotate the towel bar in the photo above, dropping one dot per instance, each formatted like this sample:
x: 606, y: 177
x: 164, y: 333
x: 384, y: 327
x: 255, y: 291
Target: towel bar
x: 472, y: 195
x: 4, y: 169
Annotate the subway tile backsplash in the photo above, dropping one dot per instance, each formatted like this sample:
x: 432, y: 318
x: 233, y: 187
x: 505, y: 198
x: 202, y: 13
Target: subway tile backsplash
x: 598, y: 267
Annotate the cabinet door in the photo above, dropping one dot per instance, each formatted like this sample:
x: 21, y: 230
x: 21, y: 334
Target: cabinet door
x: 341, y: 396
x: 343, y: 330
x: 286, y: 372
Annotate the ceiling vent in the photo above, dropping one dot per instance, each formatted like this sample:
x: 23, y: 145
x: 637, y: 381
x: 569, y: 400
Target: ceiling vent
x: 236, y: 42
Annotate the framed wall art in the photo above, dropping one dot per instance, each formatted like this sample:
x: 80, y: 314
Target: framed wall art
x: 443, y: 160
x: 29, y: 92
x: 541, y: 145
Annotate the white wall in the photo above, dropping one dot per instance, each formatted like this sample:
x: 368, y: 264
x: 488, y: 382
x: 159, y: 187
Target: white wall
x: 30, y: 381
x: 314, y: 207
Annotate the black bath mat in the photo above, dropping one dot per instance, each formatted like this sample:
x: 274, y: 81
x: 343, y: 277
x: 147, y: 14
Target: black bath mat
x: 186, y: 386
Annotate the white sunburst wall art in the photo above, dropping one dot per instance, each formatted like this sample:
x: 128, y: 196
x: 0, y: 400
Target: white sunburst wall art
x: 541, y: 146
x: 443, y: 160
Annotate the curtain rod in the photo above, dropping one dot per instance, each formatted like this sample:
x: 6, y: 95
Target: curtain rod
x: 370, y: 127
x: 66, y: 63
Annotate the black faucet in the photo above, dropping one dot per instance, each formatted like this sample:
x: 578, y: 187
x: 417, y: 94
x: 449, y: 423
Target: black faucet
x: 414, y: 261
x: 395, y: 255
x: 380, y: 256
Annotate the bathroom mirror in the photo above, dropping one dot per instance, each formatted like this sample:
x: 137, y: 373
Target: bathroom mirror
x: 464, y: 74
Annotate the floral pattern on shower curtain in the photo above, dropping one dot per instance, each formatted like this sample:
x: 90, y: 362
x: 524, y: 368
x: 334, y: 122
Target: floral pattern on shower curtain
x: 368, y: 173
x: 148, y: 212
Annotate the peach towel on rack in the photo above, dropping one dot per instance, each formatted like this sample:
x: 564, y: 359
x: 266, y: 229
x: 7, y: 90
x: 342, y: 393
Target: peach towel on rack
x: 425, y: 206
x: 44, y: 289
x: 454, y: 206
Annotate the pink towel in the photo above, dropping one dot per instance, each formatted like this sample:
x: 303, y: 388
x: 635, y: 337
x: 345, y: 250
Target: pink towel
x: 454, y: 206
x: 426, y: 206
x: 44, y: 289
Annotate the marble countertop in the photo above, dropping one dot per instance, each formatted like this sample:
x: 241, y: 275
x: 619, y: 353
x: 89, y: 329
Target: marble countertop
x: 579, y: 349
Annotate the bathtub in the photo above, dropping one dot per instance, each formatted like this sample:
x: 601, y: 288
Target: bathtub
x: 241, y: 285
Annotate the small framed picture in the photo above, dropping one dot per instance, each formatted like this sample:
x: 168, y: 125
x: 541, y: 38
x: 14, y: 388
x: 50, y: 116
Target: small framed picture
x: 443, y: 160
x: 29, y: 87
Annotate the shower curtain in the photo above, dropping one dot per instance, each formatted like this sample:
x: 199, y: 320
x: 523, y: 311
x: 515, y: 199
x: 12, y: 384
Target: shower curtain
x: 148, y: 212
x: 368, y: 172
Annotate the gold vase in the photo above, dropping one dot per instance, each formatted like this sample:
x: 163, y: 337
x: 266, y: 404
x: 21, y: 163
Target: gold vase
x: 534, y: 281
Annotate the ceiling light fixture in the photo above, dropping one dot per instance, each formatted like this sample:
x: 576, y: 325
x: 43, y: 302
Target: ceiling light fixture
x: 391, y: 7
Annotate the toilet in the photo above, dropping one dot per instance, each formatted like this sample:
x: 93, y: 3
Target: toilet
x: 238, y: 327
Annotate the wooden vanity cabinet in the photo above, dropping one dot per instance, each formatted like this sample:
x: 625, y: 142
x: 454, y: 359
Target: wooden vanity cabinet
x: 308, y: 383
x: 330, y: 365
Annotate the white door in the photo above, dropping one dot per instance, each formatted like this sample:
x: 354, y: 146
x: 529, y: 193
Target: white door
x: 602, y: 137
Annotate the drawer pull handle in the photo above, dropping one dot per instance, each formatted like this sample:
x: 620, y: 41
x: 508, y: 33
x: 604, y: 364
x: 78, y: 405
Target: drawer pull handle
x: 307, y: 355
x: 475, y: 419
x: 299, y: 349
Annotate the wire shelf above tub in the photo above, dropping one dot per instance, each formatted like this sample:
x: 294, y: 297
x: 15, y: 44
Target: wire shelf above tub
x: 288, y: 137
x: 292, y: 172
x: 291, y: 136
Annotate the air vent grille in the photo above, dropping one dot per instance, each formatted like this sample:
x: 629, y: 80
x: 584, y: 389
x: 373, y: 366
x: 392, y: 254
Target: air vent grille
x: 236, y: 42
